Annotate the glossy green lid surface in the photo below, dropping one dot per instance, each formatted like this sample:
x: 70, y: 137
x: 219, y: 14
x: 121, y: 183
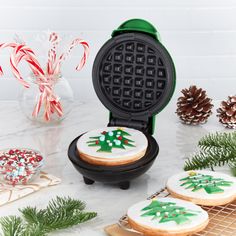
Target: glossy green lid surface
x: 137, y: 25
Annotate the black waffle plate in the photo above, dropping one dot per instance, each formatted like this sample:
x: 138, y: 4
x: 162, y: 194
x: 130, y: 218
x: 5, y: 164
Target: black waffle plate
x: 133, y: 75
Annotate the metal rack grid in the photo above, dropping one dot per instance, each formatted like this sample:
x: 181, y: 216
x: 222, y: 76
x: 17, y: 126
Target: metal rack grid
x: 222, y: 218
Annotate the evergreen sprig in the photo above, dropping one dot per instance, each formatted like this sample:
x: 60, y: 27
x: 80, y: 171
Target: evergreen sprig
x: 12, y: 225
x: 61, y: 213
x: 215, y: 150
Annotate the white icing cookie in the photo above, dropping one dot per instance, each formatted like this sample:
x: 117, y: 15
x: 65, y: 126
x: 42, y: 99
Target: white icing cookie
x: 203, y: 187
x: 112, y: 146
x: 167, y: 216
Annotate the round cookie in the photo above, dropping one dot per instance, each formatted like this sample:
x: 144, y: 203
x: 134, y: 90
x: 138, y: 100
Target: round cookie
x: 207, y: 188
x: 111, y: 146
x: 167, y: 216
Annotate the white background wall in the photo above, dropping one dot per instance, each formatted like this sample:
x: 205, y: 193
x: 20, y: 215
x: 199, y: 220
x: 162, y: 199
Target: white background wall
x: 199, y: 34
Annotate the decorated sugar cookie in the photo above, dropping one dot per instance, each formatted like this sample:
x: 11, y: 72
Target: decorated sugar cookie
x: 167, y: 216
x: 203, y: 187
x: 112, y: 146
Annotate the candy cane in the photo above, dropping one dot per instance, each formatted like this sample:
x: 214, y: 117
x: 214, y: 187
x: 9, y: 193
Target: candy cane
x: 54, y: 39
x: 51, y: 104
x: 6, y: 45
x: 47, y: 97
x: 51, y: 101
x: 26, y: 54
x: 83, y: 60
x: 23, y: 51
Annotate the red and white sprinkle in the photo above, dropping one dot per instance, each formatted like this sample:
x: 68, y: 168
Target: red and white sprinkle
x: 18, y: 166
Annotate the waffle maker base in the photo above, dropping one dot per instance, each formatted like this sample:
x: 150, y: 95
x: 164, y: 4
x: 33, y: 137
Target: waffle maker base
x: 122, y: 174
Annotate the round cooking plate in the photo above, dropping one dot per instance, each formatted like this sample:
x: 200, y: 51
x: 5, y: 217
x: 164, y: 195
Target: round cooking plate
x: 133, y: 74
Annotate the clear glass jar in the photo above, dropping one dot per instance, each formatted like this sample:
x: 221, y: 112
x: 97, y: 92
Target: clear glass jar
x: 29, y: 97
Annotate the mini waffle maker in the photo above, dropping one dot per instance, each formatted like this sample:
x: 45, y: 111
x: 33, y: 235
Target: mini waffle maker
x: 134, y: 77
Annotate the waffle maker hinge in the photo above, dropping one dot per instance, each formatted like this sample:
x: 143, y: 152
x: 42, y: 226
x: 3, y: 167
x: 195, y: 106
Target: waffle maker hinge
x: 145, y: 125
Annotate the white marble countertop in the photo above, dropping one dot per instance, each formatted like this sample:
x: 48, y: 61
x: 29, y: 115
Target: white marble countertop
x: 176, y: 141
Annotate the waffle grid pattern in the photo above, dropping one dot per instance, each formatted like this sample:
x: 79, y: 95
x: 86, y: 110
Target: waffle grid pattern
x: 133, y: 75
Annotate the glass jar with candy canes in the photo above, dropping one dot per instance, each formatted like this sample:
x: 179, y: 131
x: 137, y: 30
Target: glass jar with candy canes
x: 49, y: 97
x: 61, y: 91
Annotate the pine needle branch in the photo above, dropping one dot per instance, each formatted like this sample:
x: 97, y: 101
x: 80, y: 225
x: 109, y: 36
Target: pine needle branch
x: 33, y: 230
x: 219, y: 140
x: 215, y: 150
x: 32, y: 215
x: 63, y: 221
x: 68, y: 204
x: 12, y: 225
x: 61, y: 213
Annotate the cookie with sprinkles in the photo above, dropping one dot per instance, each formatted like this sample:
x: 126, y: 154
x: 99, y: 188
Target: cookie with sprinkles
x: 167, y: 216
x: 112, y: 146
x: 203, y: 187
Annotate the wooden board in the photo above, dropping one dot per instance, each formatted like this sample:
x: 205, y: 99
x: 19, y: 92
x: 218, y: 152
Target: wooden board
x: 10, y: 193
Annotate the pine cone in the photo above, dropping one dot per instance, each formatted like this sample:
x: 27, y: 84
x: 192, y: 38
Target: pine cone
x: 227, y: 112
x: 194, y: 107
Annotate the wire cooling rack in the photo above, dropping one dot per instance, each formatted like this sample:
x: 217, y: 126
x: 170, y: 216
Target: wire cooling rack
x: 222, y: 219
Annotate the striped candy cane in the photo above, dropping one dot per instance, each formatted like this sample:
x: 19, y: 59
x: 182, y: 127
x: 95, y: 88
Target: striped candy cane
x: 15, y: 71
x: 47, y: 97
x: 52, y: 53
x: 21, y: 52
x: 83, y: 60
x: 51, y: 101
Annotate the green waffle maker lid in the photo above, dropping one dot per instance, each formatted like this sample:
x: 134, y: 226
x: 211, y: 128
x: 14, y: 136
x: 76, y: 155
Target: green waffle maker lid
x: 134, y: 75
x: 137, y: 25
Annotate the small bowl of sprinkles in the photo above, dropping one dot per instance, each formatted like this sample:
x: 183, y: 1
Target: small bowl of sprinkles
x: 19, y: 165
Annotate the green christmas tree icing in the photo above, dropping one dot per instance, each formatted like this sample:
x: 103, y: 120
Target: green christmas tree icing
x: 111, y: 139
x: 168, y: 211
x: 211, y: 185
